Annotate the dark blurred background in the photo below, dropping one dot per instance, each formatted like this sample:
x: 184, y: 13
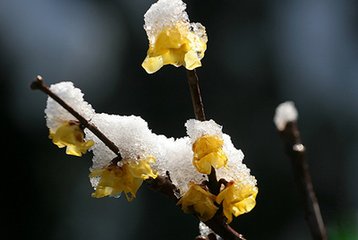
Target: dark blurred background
x: 260, y: 53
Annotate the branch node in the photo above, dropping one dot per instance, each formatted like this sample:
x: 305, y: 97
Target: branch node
x: 37, y: 84
x: 298, y: 147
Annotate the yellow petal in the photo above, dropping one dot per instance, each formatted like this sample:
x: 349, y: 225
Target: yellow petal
x: 191, y: 60
x: 176, y: 45
x: 152, y: 64
x: 227, y: 212
x: 126, y: 178
x: 202, y: 165
x: 207, y: 144
x: 108, y: 184
x: 70, y: 135
x: 246, y: 202
x: 199, y: 201
x: 142, y: 169
x: 208, y: 153
x: 170, y: 38
x: 174, y: 57
x: 237, y: 199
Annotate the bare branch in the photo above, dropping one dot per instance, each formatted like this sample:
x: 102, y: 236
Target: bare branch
x: 297, y: 153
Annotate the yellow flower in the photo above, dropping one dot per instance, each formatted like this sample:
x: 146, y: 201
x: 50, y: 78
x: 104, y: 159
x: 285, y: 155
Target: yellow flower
x: 126, y: 178
x: 70, y: 135
x: 237, y: 199
x: 177, y: 45
x: 199, y: 201
x: 208, y: 153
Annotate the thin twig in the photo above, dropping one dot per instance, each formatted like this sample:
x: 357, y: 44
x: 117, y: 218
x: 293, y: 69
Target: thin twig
x: 220, y: 227
x: 164, y: 185
x: 297, y: 153
x: 39, y: 84
x: 194, y: 88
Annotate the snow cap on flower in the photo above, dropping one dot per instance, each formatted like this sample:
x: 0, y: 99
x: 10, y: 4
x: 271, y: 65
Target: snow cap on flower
x: 65, y: 130
x: 56, y: 115
x: 285, y: 112
x: 235, y: 169
x: 207, y: 145
x: 129, y: 133
x: 196, y: 129
x: 172, y: 38
x: 135, y: 141
x: 163, y: 14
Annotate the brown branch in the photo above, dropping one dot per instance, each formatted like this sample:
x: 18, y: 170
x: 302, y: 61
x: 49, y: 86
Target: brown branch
x: 164, y: 185
x: 39, y: 84
x: 194, y: 88
x: 297, y: 153
x: 220, y: 227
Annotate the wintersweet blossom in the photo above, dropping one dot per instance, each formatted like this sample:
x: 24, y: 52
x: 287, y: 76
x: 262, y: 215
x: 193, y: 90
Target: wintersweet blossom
x: 208, y: 152
x: 172, y: 38
x: 71, y: 136
x: 199, y: 201
x: 127, y: 178
x: 237, y: 199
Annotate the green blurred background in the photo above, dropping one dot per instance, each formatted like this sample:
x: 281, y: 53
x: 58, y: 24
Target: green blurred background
x: 260, y: 53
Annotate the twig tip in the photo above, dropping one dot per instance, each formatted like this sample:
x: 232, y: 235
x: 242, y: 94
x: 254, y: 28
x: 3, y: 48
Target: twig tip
x: 39, y: 78
x: 37, y: 83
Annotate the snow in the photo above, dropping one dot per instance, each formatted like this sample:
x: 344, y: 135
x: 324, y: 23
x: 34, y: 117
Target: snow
x: 285, y: 112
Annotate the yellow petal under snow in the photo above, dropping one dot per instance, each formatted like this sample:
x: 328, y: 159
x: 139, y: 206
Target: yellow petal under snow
x: 176, y: 45
x: 142, y: 169
x: 191, y: 60
x: 126, y: 178
x: 152, y: 64
x: 237, y: 199
x: 70, y: 135
x: 208, y: 153
x: 199, y: 201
